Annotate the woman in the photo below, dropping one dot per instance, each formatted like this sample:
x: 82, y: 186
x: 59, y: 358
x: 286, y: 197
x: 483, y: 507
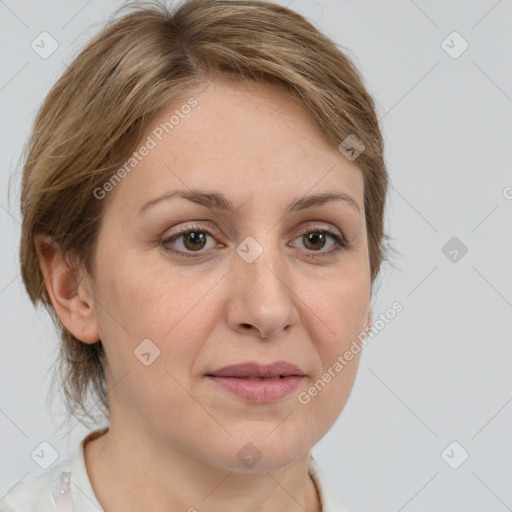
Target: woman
x: 203, y: 201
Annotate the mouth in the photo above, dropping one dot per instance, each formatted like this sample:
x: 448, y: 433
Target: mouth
x: 248, y: 370
x: 258, y: 383
x: 258, y: 378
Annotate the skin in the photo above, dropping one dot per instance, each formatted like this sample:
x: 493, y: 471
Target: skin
x: 170, y: 427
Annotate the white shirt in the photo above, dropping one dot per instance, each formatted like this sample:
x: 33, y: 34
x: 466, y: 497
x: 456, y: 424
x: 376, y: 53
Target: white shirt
x: 66, y: 488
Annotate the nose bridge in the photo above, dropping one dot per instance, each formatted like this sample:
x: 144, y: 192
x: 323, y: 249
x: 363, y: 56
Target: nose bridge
x: 262, y: 289
x: 262, y: 247
x: 262, y: 259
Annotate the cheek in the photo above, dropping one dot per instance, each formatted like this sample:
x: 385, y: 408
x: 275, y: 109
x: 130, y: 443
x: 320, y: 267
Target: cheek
x: 141, y: 305
x: 340, y: 317
x: 334, y: 394
x: 146, y: 300
x: 143, y: 296
x: 339, y: 307
x: 336, y: 311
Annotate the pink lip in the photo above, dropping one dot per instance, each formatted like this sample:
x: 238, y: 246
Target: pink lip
x: 259, y: 383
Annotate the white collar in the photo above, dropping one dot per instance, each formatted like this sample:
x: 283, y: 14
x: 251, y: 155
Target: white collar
x: 330, y: 502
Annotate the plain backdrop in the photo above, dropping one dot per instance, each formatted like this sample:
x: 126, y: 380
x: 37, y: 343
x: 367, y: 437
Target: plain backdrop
x: 427, y: 426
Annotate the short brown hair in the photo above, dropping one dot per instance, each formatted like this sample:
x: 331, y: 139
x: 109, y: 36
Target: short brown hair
x: 141, y: 60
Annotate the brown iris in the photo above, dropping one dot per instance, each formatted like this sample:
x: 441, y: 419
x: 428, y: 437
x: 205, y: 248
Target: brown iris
x: 194, y: 240
x: 316, y: 240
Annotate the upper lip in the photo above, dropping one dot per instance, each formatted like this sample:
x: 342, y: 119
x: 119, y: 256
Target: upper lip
x: 251, y: 369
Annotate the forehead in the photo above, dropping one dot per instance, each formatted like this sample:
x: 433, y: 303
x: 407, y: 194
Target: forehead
x: 245, y: 138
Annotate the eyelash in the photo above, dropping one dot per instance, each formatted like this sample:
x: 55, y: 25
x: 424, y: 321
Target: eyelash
x: 340, y: 243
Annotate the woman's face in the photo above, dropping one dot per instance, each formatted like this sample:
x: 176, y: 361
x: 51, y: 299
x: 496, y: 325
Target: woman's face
x: 246, y: 286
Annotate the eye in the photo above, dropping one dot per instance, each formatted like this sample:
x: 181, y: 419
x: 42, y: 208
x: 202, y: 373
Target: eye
x: 315, y: 239
x: 192, y: 240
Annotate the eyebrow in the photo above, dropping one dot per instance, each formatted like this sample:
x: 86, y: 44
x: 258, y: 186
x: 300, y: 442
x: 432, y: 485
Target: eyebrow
x: 218, y: 201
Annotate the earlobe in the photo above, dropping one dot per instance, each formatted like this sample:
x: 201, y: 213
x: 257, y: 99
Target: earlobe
x: 71, y: 299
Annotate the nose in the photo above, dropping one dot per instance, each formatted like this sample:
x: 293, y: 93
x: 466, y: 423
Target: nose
x: 262, y: 301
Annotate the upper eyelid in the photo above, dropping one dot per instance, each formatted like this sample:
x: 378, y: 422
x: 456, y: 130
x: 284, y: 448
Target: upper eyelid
x: 207, y: 228
x: 214, y: 230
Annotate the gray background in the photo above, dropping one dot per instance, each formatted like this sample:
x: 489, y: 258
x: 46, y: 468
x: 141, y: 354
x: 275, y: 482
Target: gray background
x: 440, y: 371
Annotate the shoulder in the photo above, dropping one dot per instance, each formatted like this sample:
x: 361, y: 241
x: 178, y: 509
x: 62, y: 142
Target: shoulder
x: 60, y: 487
x: 37, y: 493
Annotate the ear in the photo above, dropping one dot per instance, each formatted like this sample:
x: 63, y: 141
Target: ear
x: 71, y: 299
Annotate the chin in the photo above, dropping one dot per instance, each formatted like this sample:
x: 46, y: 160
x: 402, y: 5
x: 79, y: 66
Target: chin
x: 257, y: 450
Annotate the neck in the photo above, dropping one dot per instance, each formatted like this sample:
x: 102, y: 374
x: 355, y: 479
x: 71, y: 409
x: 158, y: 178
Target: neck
x: 133, y: 473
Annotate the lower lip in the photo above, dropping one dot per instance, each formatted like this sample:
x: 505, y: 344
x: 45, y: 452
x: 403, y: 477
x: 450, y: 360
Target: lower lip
x: 259, y: 390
